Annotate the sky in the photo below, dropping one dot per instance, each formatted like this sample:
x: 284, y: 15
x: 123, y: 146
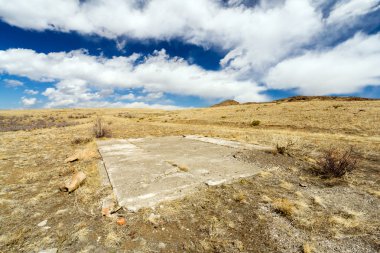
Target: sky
x: 172, y: 54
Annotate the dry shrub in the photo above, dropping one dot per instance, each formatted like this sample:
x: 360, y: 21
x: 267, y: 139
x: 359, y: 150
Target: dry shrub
x: 27, y: 123
x: 255, y: 122
x: 81, y: 140
x: 336, y: 163
x: 284, y: 207
x: 100, y: 129
x: 284, y: 149
x: 307, y: 248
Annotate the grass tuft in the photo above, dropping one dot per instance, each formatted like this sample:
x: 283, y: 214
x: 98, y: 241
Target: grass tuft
x: 255, y: 122
x: 100, y: 129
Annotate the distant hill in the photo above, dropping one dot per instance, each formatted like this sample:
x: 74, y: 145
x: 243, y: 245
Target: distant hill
x: 321, y: 98
x: 297, y: 99
x: 226, y: 103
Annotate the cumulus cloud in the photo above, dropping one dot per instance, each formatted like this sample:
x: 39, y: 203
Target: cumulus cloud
x: 28, y: 101
x: 13, y: 83
x: 155, y: 73
x: 286, y: 43
x: 345, y: 68
x: 129, y: 96
x: 150, y: 96
x: 76, y: 93
x: 31, y: 92
x: 265, y: 32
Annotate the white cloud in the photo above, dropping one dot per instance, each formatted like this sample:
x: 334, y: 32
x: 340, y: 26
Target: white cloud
x: 257, y: 36
x: 345, y: 68
x: 76, y: 93
x: 129, y: 96
x: 28, y: 101
x: 268, y: 42
x: 69, y: 93
x: 150, y: 96
x: 155, y: 73
x: 31, y: 92
x: 13, y: 83
x: 349, y: 9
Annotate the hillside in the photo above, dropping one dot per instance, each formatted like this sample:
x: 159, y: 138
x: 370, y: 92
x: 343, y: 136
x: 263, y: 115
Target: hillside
x: 226, y: 103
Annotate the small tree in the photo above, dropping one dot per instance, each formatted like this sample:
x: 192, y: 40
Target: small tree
x: 336, y: 163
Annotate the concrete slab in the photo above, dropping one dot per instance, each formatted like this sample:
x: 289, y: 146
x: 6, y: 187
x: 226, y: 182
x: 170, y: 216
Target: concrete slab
x: 144, y: 172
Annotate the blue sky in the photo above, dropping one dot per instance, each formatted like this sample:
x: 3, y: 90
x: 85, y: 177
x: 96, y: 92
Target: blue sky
x: 173, y: 54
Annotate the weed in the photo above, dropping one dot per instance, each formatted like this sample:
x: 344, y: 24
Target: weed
x: 100, y: 130
x: 80, y: 140
x: 284, y: 207
x: 255, y: 122
x: 336, y: 163
x: 285, y: 149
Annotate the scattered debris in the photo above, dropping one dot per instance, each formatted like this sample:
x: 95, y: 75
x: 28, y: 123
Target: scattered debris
x: 42, y: 223
x: 161, y: 245
x: 215, y: 182
x: 181, y: 167
x: 72, y: 158
x: 74, y: 183
x: 153, y: 218
x: 108, y: 206
x: 302, y: 184
x: 121, y: 221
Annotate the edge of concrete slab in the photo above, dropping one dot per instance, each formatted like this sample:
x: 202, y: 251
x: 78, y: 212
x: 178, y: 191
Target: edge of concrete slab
x: 228, y: 143
x: 106, y: 180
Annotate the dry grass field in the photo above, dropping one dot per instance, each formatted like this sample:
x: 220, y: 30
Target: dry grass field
x: 288, y: 207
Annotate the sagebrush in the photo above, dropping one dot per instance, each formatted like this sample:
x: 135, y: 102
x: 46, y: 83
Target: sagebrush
x: 337, y: 162
x: 100, y: 129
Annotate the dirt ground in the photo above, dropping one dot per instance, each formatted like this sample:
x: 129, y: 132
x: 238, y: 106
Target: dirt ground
x: 285, y: 208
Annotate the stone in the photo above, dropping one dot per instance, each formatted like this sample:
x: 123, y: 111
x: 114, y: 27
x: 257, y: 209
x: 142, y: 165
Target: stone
x: 302, y: 184
x: 161, y: 245
x: 42, y: 223
x: 153, y: 218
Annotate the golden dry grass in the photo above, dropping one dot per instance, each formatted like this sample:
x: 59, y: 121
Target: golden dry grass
x: 247, y: 215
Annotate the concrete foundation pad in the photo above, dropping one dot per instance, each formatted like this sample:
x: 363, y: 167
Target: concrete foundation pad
x: 144, y: 172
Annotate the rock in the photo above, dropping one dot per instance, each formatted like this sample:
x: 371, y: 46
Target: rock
x: 108, y: 206
x: 62, y: 211
x: 72, y: 158
x: 161, y: 245
x: 303, y: 184
x: 121, y: 221
x: 153, y: 218
x: 203, y: 171
x: 42, y: 223
x: 215, y: 182
x: 74, y: 183
x: 52, y: 250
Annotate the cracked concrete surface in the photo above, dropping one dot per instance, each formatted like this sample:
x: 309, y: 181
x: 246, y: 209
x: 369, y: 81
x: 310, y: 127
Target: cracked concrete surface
x: 146, y: 171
